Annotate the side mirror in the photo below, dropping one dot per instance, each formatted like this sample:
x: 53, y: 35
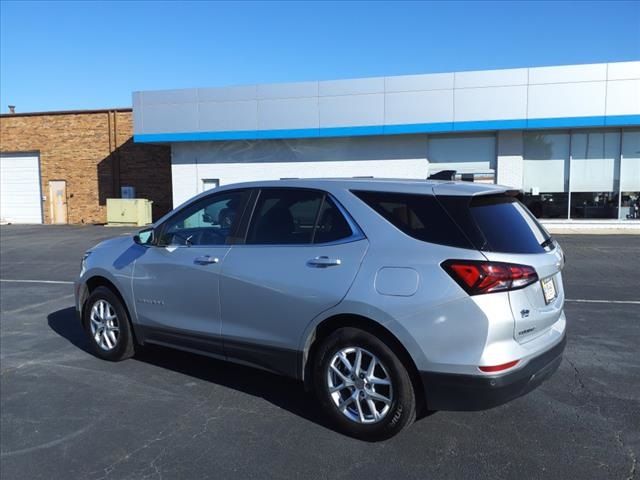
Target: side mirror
x: 144, y: 237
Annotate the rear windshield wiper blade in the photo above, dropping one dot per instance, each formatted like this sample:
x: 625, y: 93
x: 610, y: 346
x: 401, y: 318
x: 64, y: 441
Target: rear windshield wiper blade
x: 547, y: 242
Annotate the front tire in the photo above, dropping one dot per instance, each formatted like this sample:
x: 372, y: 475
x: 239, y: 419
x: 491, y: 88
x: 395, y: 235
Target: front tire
x: 362, y: 385
x: 107, y: 325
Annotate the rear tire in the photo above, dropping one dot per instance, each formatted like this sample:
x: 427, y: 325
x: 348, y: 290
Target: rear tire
x: 369, y: 403
x: 107, y: 325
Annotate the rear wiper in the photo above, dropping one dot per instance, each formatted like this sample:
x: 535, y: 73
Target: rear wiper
x: 547, y: 242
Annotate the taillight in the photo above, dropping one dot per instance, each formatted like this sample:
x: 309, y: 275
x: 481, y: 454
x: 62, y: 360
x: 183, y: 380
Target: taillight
x: 477, y: 277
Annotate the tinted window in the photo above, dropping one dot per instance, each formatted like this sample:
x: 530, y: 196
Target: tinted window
x: 332, y: 226
x: 420, y: 216
x: 284, y: 216
x: 507, y: 226
x: 209, y: 221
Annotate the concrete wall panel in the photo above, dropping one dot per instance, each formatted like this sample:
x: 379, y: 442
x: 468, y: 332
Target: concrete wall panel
x: 491, y: 103
x: 358, y: 86
x: 623, y: 71
x: 288, y: 90
x: 410, y: 83
x: 418, y: 107
x: 623, y: 97
x: 352, y: 110
x: 224, y: 116
x: 568, y: 73
x: 491, y: 78
x: 170, y: 117
x: 228, y: 94
x: 567, y: 100
x: 288, y: 113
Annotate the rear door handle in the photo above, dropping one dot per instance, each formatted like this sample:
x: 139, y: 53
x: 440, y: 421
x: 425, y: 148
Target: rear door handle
x: 206, y: 260
x: 323, y: 262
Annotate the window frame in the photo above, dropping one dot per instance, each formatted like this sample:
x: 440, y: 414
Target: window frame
x: 202, y: 202
x: 250, y: 215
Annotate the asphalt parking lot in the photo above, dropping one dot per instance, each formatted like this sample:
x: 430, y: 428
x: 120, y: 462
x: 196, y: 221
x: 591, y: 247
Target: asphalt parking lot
x: 166, y: 414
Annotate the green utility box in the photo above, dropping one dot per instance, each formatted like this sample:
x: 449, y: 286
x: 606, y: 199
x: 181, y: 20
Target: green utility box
x: 128, y: 211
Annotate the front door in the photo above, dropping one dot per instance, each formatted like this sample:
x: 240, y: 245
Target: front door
x: 58, y: 200
x: 300, y: 257
x: 176, y: 281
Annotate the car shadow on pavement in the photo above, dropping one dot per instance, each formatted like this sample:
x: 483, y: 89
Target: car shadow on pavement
x: 66, y: 324
x: 283, y: 392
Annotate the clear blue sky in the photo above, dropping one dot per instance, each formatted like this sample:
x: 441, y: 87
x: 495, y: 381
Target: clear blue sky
x: 77, y: 55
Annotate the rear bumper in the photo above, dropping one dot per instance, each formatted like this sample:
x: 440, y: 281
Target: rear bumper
x: 475, y: 392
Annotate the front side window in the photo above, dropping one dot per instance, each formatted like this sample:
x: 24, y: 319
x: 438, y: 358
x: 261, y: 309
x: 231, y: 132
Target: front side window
x: 210, y: 221
x: 296, y: 216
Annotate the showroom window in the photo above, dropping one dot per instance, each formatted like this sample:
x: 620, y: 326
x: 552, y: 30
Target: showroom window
x: 546, y: 173
x: 471, y: 154
x: 582, y: 174
x: 594, y: 174
x: 630, y: 176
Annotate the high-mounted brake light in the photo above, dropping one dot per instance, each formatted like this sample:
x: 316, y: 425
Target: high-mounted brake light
x: 477, y: 277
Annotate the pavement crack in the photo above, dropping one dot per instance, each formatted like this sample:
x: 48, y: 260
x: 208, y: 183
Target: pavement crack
x: 629, y: 453
x: 577, y: 375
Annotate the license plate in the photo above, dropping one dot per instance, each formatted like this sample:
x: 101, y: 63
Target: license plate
x: 549, y: 289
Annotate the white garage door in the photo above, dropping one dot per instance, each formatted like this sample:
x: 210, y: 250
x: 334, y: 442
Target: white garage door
x: 20, y: 199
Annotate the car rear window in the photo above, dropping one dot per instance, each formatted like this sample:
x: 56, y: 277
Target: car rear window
x: 497, y: 223
x: 420, y: 216
x: 507, y: 225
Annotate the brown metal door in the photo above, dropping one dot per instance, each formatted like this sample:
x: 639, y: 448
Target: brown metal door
x: 58, y: 199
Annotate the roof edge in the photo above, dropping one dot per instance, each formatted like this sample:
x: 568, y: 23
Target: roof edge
x: 66, y: 112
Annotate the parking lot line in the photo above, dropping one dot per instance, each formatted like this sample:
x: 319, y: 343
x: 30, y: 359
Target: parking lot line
x: 36, y: 305
x: 62, y: 282
x: 584, y: 300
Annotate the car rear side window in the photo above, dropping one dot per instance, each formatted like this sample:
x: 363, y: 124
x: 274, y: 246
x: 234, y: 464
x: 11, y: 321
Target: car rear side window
x: 332, y: 226
x: 296, y: 216
x: 420, y: 216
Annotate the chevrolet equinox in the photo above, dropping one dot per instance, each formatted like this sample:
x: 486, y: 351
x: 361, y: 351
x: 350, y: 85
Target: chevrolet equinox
x: 385, y: 297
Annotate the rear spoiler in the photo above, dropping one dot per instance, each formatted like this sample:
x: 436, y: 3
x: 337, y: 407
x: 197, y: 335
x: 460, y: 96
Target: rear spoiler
x: 468, y: 189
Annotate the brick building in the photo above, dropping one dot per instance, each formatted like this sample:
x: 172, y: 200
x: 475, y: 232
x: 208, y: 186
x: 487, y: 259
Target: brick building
x: 90, y: 154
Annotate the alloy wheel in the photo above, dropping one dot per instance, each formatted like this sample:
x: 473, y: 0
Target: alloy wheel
x: 105, y: 328
x: 359, y: 385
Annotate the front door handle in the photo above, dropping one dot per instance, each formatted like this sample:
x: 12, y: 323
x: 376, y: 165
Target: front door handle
x: 206, y: 260
x: 324, y: 262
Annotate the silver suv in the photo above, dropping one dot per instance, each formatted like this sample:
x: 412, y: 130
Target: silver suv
x: 385, y: 297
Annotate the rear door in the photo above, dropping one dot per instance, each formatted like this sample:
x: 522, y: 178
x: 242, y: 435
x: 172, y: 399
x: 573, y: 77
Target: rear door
x: 299, y: 259
x: 505, y: 231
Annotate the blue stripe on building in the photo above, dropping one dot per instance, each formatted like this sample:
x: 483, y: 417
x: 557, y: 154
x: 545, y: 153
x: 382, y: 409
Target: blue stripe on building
x: 447, y: 127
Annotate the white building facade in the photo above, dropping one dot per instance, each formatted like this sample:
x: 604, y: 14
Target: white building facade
x: 567, y: 136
